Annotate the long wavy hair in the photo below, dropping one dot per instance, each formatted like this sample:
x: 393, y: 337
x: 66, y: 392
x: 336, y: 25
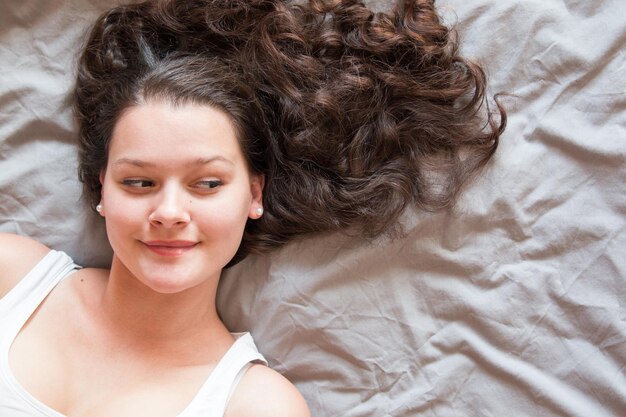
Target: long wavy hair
x: 352, y: 115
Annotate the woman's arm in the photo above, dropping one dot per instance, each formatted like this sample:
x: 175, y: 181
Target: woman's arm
x: 18, y: 255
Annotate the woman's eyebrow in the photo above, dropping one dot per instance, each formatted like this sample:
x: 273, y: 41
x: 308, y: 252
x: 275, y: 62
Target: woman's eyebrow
x: 146, y: 164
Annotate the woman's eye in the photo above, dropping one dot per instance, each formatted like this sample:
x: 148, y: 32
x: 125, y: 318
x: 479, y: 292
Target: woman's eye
x: 137, y: 183
x: 208, y: 184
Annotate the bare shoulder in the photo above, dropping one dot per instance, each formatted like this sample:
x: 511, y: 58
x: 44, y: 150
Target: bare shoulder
x: 18, y: 255
x: 264, y: 392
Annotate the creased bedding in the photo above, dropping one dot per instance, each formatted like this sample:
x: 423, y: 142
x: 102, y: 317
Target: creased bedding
x: 511, y: 304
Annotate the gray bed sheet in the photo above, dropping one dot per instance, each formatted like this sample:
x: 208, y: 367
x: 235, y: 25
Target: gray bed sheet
x: 511, y: 304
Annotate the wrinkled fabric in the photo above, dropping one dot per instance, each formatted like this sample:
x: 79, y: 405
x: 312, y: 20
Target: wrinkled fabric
x: 510, y: 304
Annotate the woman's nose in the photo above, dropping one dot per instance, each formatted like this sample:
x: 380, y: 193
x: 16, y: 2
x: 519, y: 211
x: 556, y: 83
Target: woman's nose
x: 170, y: 209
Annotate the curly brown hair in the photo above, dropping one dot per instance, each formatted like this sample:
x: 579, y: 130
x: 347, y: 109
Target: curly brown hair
x: 351, y: 115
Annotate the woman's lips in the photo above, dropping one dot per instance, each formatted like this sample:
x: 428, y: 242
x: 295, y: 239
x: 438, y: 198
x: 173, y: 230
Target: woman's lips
x: 170, y: 247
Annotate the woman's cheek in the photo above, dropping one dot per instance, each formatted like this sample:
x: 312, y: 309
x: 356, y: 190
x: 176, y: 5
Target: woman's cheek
x: 123, y: 216
x: 223, y: 219
x: 227, y: 219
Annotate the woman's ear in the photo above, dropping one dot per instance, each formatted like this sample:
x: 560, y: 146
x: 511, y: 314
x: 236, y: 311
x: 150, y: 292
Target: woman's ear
x: 100, y: 206
x: 257, y: 182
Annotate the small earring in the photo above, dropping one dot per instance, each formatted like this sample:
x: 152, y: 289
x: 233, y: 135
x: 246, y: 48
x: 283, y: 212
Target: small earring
x: 259, y: 211
x: 99, y: 208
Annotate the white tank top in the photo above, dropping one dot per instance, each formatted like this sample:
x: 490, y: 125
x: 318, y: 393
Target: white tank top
x: 19, y: 304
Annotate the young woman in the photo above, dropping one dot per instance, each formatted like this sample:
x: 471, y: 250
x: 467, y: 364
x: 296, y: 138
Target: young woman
x: 209, y: 130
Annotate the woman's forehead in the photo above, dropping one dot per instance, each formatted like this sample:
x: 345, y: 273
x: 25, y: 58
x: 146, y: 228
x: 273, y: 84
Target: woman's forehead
x: 157, y: 130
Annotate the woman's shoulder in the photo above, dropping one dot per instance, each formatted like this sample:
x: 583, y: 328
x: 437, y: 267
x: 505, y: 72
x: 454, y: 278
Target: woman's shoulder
x: 264, y: 392
x: 18, y: 255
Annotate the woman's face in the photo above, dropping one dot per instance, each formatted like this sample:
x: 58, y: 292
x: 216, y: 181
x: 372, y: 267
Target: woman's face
x: 176, y: 194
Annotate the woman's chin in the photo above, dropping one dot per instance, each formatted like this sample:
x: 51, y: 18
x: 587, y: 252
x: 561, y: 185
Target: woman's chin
x: 172, y: 282
x: 169, y: 276
x: 165, y: 287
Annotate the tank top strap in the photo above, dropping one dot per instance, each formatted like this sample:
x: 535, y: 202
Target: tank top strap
x: 16, y: 307
x: 212, y: 399
x: 23, y: 299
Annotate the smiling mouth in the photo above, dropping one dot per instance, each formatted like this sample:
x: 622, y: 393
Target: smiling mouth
x: 170, y: 248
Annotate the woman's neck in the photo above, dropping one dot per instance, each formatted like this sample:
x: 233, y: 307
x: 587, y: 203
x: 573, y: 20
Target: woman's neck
x: 179, y: 323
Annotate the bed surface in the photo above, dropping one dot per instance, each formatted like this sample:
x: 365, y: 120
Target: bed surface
x: 511, y: 304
